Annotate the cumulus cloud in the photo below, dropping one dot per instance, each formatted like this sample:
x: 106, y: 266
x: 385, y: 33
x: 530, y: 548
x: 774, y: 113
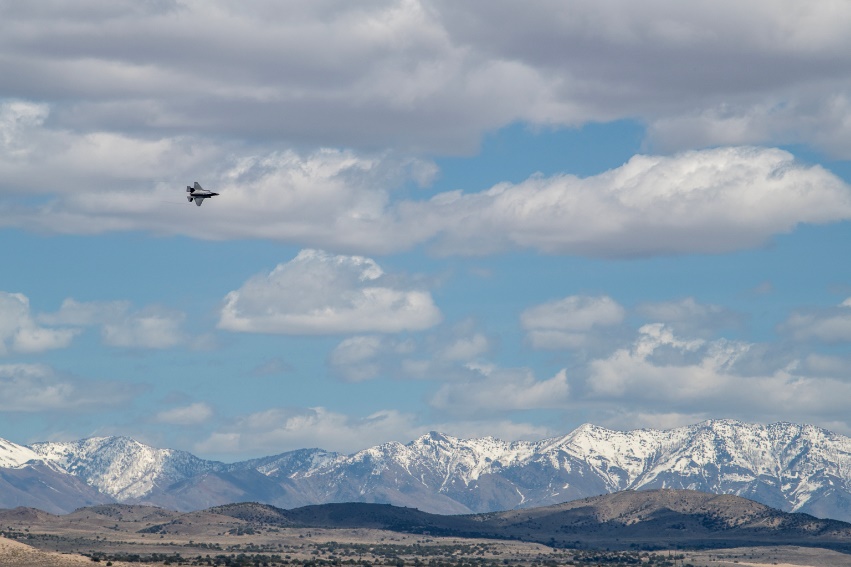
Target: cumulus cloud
x: 497, y: 390
x: 193, y: 414
x: 19, y: 331
x: 284, y: 195
x: 829, y: 325
x: 38, y: 388
x: 568, y: 323
x: 708, y: 201
x: 318, y: 293
x: 42, y: 160
x: 152, y: 327
x: 384, y: 74
x: 663, y: 373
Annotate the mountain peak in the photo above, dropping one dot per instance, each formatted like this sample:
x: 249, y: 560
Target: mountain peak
x: 434, y: 437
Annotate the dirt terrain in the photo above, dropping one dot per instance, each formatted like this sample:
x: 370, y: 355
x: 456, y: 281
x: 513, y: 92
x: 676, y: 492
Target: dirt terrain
x: 16, y: 554
x: 257, y: 535
x: 464, y: 552
x: 780, y: 556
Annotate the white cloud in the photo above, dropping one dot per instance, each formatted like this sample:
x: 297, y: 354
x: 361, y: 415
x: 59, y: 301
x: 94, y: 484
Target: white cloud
x: 193, y: 414
x: 42, y: 160
x: 38, y: 388
x: 379, y: 75
x: 318, y: 293
x: 439, y: 354
x: 826, y: 365
x: 20, y: 333
x: 326, y: 198
x: 708, y: 201
x: 93, y: 127
x: 821, y: 117
x: 460, y: 343
x: 568, y: 323
x: 830, y: 325
x: 435, y: 75
x: 497, y: 390
x: 700, y: 74
x: 151, y: 327
x: 661, y: 373
x: 84, y: 314
x: 466, y: 348
x: 355, y: 358
x: 688, y: 316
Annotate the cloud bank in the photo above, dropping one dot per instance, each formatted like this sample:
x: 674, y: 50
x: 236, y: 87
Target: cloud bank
x: 434, y: 75
x: 707, y: 201
x: 289, y: 112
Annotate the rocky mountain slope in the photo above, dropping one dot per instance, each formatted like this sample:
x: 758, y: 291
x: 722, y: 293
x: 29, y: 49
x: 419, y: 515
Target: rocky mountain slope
x: 791, y: 467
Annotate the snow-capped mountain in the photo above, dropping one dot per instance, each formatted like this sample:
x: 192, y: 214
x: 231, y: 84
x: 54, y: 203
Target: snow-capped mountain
x: 798, y: 468
x: 13, y: 456
x: 122, y: 467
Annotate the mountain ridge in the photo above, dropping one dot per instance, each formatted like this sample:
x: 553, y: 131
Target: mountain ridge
x: 792, y: 467
x: 627, y: 520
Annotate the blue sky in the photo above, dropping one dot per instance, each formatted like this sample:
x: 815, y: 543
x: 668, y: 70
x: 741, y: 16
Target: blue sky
x: 495, y: 218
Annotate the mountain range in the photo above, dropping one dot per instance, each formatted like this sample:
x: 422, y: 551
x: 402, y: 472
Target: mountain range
x: 792, y: 467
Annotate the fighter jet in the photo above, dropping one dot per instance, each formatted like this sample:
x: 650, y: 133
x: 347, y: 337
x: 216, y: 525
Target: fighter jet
x: 198, y: 194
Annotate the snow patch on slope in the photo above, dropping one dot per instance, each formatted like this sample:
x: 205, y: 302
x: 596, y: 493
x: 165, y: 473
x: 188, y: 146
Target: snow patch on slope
x: 13, y: 456
x: 121, y: 467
